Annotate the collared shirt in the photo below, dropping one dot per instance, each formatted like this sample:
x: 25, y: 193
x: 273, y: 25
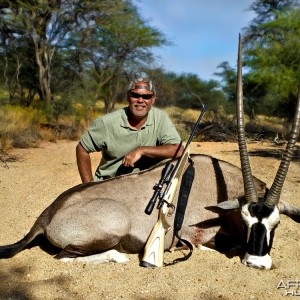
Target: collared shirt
x: 114, y: 137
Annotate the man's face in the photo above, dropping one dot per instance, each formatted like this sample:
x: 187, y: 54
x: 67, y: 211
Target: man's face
x: 140, y: 100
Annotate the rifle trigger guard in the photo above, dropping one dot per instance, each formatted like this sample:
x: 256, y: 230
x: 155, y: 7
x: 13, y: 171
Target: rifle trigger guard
x: 168, y: 204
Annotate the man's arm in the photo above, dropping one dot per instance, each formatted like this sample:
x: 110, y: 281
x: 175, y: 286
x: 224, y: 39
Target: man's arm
x: 84, y: 164
x: 163, y: 151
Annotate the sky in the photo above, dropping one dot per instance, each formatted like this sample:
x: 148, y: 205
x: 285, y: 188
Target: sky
x: 204, y: 33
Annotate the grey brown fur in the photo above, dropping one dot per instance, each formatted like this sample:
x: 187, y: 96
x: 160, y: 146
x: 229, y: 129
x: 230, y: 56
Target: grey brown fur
x: 94, y: 217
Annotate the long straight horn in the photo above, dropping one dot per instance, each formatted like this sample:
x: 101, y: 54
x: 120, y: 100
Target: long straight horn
x: 250, y: 192
x: 275, y: 190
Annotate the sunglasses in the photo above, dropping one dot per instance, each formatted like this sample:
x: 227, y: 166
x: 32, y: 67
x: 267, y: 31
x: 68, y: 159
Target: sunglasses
x: 144, y: 96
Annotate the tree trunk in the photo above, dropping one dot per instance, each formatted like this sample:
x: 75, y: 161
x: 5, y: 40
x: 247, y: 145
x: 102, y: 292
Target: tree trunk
x: 43, y: 55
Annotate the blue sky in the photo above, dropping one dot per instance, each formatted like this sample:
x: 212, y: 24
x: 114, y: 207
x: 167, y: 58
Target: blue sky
x: 204, y: 33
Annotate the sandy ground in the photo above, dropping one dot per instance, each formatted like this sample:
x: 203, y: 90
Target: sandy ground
x: 32, y: 183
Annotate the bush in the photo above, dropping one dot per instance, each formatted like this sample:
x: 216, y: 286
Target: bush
x: 19, y: 127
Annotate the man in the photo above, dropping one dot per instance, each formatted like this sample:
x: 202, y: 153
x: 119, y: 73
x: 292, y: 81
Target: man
x: 130, y: 139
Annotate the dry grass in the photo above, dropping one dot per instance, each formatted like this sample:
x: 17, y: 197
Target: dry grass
x: 190, y: 115
x: 19, y: 127
x: 273, y: 124
x: 26, y: 127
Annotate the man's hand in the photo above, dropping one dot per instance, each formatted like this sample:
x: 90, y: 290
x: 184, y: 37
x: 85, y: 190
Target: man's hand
x: 161, y: 152
x: 132, y: 157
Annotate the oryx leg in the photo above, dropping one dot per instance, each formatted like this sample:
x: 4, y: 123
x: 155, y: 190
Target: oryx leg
x: 101, y: 258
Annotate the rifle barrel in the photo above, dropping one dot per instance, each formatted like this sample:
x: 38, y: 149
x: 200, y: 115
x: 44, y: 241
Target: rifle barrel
x: 204, y: 106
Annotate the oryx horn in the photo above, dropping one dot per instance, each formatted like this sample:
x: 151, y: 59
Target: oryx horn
x: 250, y: 192
x: 273, y: 195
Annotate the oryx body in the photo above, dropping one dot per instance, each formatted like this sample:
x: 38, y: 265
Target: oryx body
x: 95, y: 217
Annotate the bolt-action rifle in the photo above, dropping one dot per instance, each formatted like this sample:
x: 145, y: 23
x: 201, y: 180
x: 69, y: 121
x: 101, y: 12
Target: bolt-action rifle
x: 154, y: 248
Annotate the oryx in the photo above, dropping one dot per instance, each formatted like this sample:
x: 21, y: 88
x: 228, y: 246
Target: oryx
x: 95, y: 218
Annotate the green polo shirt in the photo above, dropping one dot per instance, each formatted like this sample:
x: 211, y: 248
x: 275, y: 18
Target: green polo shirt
x: 112, y: 135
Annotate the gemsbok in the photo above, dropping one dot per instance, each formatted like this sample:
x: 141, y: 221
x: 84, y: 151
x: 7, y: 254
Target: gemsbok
x: 228, y: 207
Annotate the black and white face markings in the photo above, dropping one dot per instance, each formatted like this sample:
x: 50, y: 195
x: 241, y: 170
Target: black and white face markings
x: 261, y: 220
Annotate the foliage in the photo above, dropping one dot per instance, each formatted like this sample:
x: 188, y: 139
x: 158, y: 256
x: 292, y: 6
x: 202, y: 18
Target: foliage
x: 266, y: 11
x: 115, y: 50
x: 228, y: 80
x: 59, y: 40
x: 189, y: 91
x: 273, y: 55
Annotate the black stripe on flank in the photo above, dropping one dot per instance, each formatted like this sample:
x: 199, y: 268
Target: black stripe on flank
x: 220, y: 181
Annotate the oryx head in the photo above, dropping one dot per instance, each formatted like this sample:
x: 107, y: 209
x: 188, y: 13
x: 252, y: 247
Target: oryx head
x: 261, y: 213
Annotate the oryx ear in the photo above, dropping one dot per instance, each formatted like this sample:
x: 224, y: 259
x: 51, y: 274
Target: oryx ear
x: 289, y: 210
x: 225, y: 206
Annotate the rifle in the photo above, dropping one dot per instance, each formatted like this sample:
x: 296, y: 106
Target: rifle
x: 154, y: 248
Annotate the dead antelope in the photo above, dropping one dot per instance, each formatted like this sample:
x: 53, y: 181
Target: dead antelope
x: 96, y: 221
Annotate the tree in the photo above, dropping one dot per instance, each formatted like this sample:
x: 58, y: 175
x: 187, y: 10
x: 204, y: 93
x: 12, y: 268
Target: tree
x: 101, y: 39
x: 228, y: 80
x: 266, y: 11
x: 166, y: 89
x: 192, y: 92
x: 119, y: 49
x: 43, y: 24
x: 273, y: 54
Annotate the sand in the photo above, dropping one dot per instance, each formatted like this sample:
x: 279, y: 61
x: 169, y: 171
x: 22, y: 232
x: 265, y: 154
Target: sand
x: 41, y: 174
